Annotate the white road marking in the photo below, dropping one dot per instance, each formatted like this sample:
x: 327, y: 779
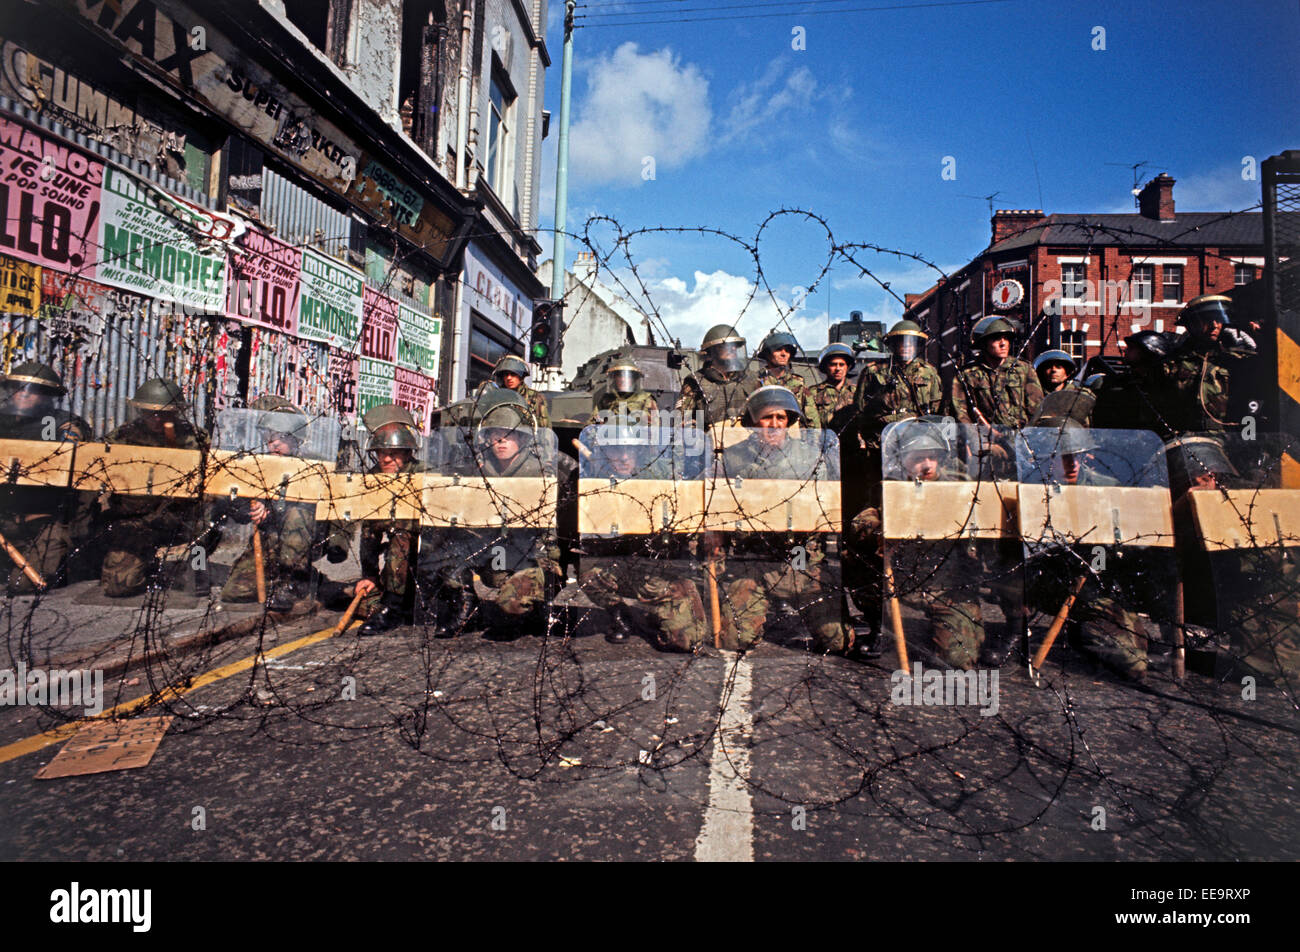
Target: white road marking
x: 728, y: 832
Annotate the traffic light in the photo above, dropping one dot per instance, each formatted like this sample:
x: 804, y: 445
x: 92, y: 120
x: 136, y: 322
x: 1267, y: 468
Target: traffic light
x: 547, y: 340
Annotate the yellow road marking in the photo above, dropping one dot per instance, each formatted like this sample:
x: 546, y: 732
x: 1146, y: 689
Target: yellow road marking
x: 28, y: 745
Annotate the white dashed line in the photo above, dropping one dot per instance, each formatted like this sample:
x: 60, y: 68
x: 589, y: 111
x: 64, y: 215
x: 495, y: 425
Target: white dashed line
x: 728, y: 832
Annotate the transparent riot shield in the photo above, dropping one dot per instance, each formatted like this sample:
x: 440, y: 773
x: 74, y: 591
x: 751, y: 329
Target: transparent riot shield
x: 266, y: 476
x: 1100, y: 572
x: 1237, y: 518
x: 951, y: 587
x: 488, y: 556
x: 639, y: 513
x: 770, y: 539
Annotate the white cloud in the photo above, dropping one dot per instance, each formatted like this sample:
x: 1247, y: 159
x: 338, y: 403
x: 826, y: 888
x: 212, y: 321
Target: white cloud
x: 637, y: 105
x: 764, y: 103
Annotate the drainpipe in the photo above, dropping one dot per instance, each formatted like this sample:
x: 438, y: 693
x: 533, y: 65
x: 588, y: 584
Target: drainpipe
x: 462, y: 98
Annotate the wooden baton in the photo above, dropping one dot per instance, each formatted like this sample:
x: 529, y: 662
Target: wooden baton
x: 347, y: 615
x: 1058, y: 623
x: 22, y: 563
x: 259, y: 564
x: 896, y: 614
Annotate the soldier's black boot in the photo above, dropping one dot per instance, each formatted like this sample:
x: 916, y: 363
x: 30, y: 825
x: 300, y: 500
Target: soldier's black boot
x: 280, y: 599
x: 620, y: 631
x: 461, y: 601
x: 389, y: 615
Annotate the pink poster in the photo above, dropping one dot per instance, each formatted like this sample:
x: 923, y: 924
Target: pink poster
x: 378, y: 326
x: 262, y: 283
x: 50, y: 194
x: 414, y: 391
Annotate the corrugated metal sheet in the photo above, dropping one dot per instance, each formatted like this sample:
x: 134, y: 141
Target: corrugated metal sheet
x: 301, y: 218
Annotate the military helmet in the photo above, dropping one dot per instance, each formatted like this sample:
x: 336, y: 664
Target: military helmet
x: 720, y: 334
x: 835, y: 350
x: 34, y: 375
x: 386, y: 413
x: 393, y: 436
x: 1095, y: 382
x: 775, y: 341
x: 920, y: 437
x: 1216, y: 306
x: 772, y: 397
x: 1149, y: 344
x: 490, y: 399
x: 613, y: 436
x: 281, y: 419
x: 907, y: 329
x: 1073, y: 437
x: 991, y: 327
x: 625, y: 376
x: 274, y: 403
x: 159, y: 395
x: 512, y: 415
x: 1192, y: 456
x: 510, y: 364
x: 1055, y: 357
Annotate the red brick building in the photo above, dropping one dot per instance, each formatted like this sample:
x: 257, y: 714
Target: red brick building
x: 1084, y: 282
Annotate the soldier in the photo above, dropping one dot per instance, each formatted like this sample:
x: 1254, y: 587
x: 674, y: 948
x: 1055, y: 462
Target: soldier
x: 778, y: 349
x: 764, y: 560
x: 139, y: 526
x: 945, y: 573
x: 288, y: 529
x: 509, y: 373
x: 718, y: 392
x: 1134, y: 399
x: 832, y: 399
x: 33, y: 518
x: 521, y: 565
x: 1256, y: 587
x: 394, y: 441
x: 905, y: 386
x: 652, y: 570
x: 1194, y: 379
x: 996, y: 390
x: 1063, y: 397
x: 1104, y: 629
x: 625, y: 399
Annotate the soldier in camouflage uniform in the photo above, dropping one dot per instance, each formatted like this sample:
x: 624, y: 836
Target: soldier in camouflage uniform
x: 650, y: 570
x: 34, y: 518
x: 997, y: 390
x: 509, y: 374
x: 1063, y: 398
x: 1194, y: 379
x: 1134, y: 399
x: 905, y: 386
x: 1257, y: 587
x: 394, y: 442
x: 719, y: 391
x: 946, y: 571
x: 764, y: 561
x: 778, y: 349
x: 625, y: 400
x: 1102, y: 628
x: 139, y: 526
x: 288, y: 529
x: 832, y: 399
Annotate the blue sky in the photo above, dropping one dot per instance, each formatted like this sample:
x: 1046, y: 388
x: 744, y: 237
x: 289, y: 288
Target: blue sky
x: 855, y: 128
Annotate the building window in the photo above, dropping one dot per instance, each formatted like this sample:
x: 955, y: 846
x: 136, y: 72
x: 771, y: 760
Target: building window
x: 1072, y: 344
x: 1073, y: 286
x: 1243, y: 274
x: 500, y: 142
x: 420, y: 81
x: 1172, y: 282
x: 487, y: 344
x: 1143, y: 280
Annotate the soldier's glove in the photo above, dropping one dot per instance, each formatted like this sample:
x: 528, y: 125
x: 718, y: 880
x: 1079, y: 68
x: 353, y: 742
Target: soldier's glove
x: 335, y: 554
x: 998, y: 451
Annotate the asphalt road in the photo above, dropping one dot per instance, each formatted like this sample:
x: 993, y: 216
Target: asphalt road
x: 399, y: 747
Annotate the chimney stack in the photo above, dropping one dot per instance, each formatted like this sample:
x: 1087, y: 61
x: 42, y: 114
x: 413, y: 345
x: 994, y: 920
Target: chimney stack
x: 1009, y: 222
x: 1156, y: 200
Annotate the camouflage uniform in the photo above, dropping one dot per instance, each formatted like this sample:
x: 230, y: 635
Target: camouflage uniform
x: 949, y: 570
x: 648, y: 570
x: 138, y: 525
x: 746, y: 603
x: 1006, y: 395
x: 33, y: 518
x: 718, y: 396
x: 795, y: 383
x: 612, y: 405
x: 1193, y: 386
x: 287, y: 535
x: 834, y: 406
x: 887, y: 393
x: 395, y: 541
